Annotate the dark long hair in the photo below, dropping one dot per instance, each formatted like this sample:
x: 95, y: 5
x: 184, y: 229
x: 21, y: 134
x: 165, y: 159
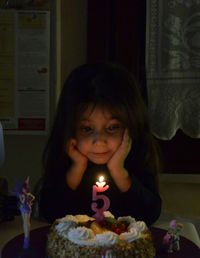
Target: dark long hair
x: 109, y: 86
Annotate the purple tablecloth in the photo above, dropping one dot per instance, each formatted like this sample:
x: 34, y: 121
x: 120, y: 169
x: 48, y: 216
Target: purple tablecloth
x: 38, y: 243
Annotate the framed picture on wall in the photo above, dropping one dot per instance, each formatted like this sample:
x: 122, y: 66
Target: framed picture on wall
x: 24, y: 71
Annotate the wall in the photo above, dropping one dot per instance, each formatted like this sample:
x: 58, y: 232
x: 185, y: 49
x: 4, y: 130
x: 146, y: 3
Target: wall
x: 180, y: 194
x: 68, y: 50
x: 74, y: 35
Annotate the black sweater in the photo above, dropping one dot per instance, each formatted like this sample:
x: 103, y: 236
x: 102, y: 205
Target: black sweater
x: 141, y: 201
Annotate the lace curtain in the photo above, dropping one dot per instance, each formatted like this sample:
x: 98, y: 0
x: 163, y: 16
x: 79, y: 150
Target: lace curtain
x: 173, y: 67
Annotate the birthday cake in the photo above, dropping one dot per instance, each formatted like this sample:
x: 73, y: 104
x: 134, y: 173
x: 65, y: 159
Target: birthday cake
x: 82, y: 236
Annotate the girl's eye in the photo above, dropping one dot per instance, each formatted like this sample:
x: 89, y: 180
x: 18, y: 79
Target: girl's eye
x: 113, y: 128
x: 86, y: 129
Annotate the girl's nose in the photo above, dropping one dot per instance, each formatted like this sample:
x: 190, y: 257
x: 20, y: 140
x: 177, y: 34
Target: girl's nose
x: 99, y: 138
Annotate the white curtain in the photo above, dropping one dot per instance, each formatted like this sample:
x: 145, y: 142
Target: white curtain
x: 173, y: 67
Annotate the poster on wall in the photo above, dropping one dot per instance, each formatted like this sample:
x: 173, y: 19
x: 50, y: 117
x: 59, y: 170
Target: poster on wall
x: 24, y: 71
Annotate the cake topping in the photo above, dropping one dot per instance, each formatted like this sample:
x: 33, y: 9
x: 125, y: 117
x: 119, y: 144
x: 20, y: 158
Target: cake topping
x: 81, y: 235
x: 131, y: 236
x: 108, y: 214
x: 76, y: 218
x: 139, y: 225
x: 112, y: 224
x: 83, y: 218
x: 127, y: 219
x: 84, y: 230
x: 107, y: 238
x: 68, y: 218
x: 64, y: 226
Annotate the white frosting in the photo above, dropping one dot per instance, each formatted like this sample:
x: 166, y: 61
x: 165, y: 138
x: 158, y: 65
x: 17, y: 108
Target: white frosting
x: 127, y: 219
x: 64, y: 226
x: 139, y: 226
x: 81, y: 236
x: 107, y: 238
x: 131, y: 236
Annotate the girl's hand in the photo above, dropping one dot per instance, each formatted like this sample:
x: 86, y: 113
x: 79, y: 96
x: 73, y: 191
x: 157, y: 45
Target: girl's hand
x: 75, y: 173
x: 77, y: 157
x: 118, y: 158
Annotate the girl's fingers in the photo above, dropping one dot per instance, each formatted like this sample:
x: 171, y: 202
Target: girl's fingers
x: 76, y: 156
x: 70, y: 145
x: 126, y: 138
x: 127, y: 141
x: 73, y: 142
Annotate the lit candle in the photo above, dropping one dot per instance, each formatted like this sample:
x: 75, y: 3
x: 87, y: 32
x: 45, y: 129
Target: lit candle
x: 99, y: 188
x: 101, y: 183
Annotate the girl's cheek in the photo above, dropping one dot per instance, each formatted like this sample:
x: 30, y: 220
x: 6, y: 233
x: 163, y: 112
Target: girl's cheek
x: 82, y: 142
x: 116, y: 137
x: 84, y: 138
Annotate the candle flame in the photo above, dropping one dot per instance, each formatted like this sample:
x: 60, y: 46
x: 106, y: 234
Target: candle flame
x: 101, y: 178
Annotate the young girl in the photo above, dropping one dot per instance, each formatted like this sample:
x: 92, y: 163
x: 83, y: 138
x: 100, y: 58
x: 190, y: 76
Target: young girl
x: 101, y: 128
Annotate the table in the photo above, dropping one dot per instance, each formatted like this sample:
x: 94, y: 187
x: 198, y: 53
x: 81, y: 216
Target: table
x: 189, y: 231
x: 13, y: 239
x: 11, y: 229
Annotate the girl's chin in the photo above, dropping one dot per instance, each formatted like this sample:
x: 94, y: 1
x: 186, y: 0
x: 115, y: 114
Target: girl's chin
x: 98, y: 162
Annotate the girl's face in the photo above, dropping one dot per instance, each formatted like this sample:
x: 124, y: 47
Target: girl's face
x: 99, y: 135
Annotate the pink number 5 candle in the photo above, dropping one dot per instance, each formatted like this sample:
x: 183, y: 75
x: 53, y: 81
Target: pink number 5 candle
x: 99, y: 188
